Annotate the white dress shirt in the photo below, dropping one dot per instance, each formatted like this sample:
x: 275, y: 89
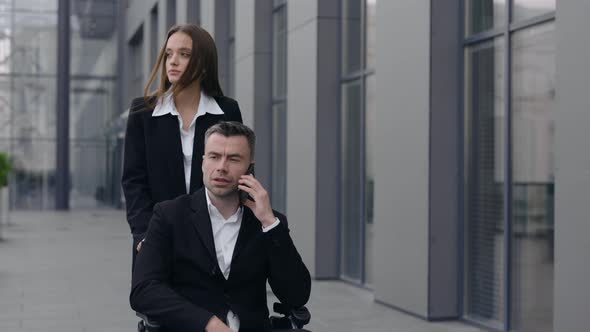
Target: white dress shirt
x: 225, y: 235
x: 187, y: 137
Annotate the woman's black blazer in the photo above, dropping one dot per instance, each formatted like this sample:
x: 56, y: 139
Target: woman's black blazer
x: 153, y: 166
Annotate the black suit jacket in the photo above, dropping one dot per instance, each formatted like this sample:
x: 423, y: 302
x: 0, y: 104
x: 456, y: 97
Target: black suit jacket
x: 177, y: 280
x: 153, y: 166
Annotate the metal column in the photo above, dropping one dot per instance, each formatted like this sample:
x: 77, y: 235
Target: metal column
x: 62, y: 170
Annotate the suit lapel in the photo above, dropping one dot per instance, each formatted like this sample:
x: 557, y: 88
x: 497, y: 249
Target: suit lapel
x: 167, y: 134
x: 250, y: 227
x: 202, y: 222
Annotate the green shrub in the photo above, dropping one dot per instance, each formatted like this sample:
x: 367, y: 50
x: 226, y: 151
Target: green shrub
x: 5, y: 168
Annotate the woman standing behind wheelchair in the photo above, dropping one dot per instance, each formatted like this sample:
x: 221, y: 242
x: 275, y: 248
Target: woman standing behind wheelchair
x: 164, y: 140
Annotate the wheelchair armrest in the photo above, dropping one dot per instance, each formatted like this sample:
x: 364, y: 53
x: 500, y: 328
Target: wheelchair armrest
x: 298, y: 316
x: 148, y: 323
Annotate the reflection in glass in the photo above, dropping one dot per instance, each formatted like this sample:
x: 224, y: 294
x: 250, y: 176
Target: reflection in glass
x: 533, y: 135
x: 34, y: 41
x: 135, y: 76
x: 88, y: 167
x: 279, y: 157
x: 232, y: 17
x: 279, y: 114
x: 28, y: 98
x: 153, y: 36
x: 231, y: 50
x: 32, y: 104
x: 48, y: 7
x: 350, y: 191
x: 231, y: 69
x: 371, y: 33
x: 524, y: 9
x: 280, y: 52
x: 351, y: 36
x: 91, y: 107
x: 483, y: 15
x: 370, y: 143
x: 484, y: 170
x: 34, y: 174
x: 92, y: 100
x: 170, y: 13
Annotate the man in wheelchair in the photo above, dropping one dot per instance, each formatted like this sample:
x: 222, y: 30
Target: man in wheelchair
x: 206, y: 258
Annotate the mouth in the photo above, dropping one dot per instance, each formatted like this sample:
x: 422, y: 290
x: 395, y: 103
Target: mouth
x: 221, y: 181
x: 173, y: 72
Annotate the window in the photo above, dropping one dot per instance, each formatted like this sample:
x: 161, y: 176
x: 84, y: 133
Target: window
x: 357, y: 123
x: 279, y: 107
x: 170, y: 14
x: 136, y: 65
x: 154, y: 35
x: 509, y: 154
x: 193, y: 8
x: 231, y: 49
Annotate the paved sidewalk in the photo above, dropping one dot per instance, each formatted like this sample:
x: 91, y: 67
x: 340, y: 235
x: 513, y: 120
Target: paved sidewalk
x: 69, y: 271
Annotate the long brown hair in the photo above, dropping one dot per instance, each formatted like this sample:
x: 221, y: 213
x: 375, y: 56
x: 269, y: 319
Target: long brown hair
x: 202, y: 66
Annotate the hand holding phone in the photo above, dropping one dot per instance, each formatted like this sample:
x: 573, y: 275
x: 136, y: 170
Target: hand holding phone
x: 260, y: 206
x: 244, y: 195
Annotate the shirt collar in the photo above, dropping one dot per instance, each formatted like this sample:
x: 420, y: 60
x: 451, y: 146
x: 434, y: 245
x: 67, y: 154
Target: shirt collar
x: 206, y: 105
x: 214, y: 211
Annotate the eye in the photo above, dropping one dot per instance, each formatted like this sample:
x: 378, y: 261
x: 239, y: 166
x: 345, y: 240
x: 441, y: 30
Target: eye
x: 185, y: 55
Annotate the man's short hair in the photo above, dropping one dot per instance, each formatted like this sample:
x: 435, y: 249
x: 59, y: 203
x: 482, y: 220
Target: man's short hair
x: 233, y: 128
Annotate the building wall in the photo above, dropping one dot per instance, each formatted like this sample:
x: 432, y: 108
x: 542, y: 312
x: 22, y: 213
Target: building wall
x: 245, y: 56
x: 572, y: 183
x: 402, y: 155
x: 302, y: 112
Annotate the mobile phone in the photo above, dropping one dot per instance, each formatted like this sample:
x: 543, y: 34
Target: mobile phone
x: 244, y: 195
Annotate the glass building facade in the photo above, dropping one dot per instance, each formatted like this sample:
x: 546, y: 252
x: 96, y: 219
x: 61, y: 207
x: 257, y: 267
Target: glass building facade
x: 510, y: 114
x: 357, y: 135
x: 279, y: 106
x: 28, y: 72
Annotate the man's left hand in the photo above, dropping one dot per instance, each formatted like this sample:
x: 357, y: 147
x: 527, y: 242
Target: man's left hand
x: 261, y: 205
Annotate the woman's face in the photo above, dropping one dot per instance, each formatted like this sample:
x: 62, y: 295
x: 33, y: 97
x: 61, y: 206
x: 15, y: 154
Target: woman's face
x: 178, y: 54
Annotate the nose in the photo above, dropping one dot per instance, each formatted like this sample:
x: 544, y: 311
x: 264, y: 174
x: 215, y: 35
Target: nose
x: 222, y: 166
x: 173, y: 58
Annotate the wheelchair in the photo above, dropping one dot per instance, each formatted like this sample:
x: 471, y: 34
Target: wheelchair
x: 292, y: 319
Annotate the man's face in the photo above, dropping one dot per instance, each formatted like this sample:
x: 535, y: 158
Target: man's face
x: 225, y: 160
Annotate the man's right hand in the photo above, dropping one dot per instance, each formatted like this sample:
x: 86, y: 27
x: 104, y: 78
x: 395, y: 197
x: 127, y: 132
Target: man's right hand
x: 216, y: 325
